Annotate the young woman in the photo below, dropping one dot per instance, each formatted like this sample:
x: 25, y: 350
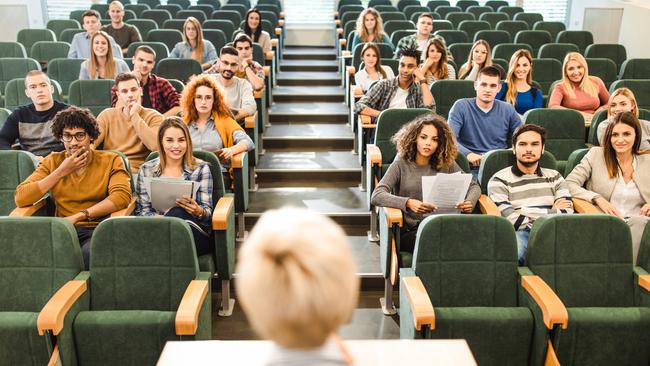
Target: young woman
x: 101, y: 64
x: 372, y: 70
x: 479, y: 57
x: 210, y: 121
x: 370, y: 28
x: 623, y: 100
x: 253, y: 29
x: 425, y: 146
x: 435, y: 66
x: 616, y: 176
x: 176, y: 161
x: 518, y: 88
x: 578, y: 90
x: 194, y: 46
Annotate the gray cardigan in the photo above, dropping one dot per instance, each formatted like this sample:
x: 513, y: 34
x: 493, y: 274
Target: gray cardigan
x: 403, y: 180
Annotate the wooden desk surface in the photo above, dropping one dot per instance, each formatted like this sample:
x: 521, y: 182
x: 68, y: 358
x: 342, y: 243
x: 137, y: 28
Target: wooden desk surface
x: 364, y: 352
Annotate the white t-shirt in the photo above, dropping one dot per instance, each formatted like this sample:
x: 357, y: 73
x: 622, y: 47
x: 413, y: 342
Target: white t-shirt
x: 399, y: 98
x: 362, y: 79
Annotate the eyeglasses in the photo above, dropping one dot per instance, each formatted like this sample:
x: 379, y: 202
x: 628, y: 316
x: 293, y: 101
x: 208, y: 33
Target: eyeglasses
x: 79, y: 136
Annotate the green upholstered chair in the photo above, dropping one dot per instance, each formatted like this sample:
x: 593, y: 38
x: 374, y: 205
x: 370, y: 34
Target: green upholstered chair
x: 535, y: 38
x: 12, y: 49
x: 4, y: 114
x: 59, y: 25
x: 392, y: 16
x: 39, y: 256
x: 614, y: 52
x: 403, y: 4
x: 27, y: 37
x: 178, y: 68
x: 552, y: 27
x: 399, y: 34
x: 465, y: 4
x: 511, y: 10
x: 152, y: 3
x: 643, y: 259
x: 241, y: 9
x: 45, y: 51
x: 506, y: 50
x: 343, y: 3
x: 217, y: 37
x: 600, y: 117
x: 68, y: 34
x: 138, y: 297
x: 580, y: 38
x: 546, y: 71
x: 574, y: 159
x: 496, y: 4
x: 587, y: 261
x: 565, y: 131
x: 446, y: 92
x: 65, y: 71
x: 471, y: 27
x: 173, y: 9
x: 635, y: 68
x: 92, y: 94
x: 478, y: 10
x: 556, y: 50
x: 434, y: 4
x: 375, y: 3
x: 226, y: 26
x: 157, y: 15
x: 604, y: 68
x: 460, y: 51
x: 493, y: 37
x: 160, y: 48
x: 198, y: 14
x: 444, y: 10
x: 410, y: 10
x: 456, y: 17
x: 494, y: 18
x: 452, y: 36
x: 137, y: 8
x: 13, y: 67
x: 176, y: 24
x: 234, y: 17
x: 640, y: 88
x: 350, y: 7
x: 143, y: 25
x: 464, y: 283
x: 15, y: 166
x: 530, y: 18
x: 15, y: 93
x: 170, y: 37
x: 77, y: 15
x: 101, y: 8
x: 394, y: 25
x: 512, y: 26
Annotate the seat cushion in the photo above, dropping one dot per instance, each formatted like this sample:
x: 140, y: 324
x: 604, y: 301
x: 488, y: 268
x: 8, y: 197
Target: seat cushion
x: 206, y: 264
x: 21, y: 344
x: 128, y: 337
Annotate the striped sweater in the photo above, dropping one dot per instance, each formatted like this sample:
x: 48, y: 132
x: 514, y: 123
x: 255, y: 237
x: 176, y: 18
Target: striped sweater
x: 522, y: 198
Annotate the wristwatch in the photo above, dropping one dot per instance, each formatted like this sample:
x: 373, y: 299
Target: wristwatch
x: 86, y: 214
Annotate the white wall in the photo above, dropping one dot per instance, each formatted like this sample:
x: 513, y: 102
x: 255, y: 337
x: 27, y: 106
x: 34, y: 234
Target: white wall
x: 17, y: 15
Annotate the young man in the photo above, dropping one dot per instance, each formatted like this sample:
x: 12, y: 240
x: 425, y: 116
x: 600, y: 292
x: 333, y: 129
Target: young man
x: 248, y: 69
x: 124, y: 34
x: 157, y: 92
x: 420, y: 38
x: 409, y: 89
x: 86, y: 185
x: 80, y: 46
x: 526, y: 191
x: 237, y: 92
x: 31, y: 124
x: 482, y: 123
x: 131, y: 128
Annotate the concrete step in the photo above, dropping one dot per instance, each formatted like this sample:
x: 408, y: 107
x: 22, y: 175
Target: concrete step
x: 334, y: 169
x: 308, y: 94
x: 308, y: 113
x: 309, y: 53
x: 309, y: 65
x: 309, y: 136
x: 312, y: 78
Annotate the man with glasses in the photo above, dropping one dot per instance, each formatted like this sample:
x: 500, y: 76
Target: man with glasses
x: 31, y: 124
x: 85, y: 185
x: 237, y: 92
x: 248, y: 69
x: 129, y: 127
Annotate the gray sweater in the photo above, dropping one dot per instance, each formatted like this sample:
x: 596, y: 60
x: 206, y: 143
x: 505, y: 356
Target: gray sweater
x: 403, y: 180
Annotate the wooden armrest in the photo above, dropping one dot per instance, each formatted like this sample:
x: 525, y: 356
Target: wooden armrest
x: 644, y: 281
x: 269, y: 55
x: 278, y: 31
x: 29, y: 210
x: 339, y: 31
x: 249, y: 122
x: 267, y: 70
x: 366, y: 122
x: 351, y: 70
x: 125, y: 211
x: 374, y: 154
x: 393, y: 216
x: 551, y: 357
x: 552, y: 307
x: 582, y: 206
x: 346, y: 54
x: 337, y: 21
x: 421, y: 306
x: 237, y: 160
x: 54, y: 359
x: 221, y: 212
x: 487, y: 206
x: 187, y: 315
x: 54, y: 312
x: 357, y: 91
x: 281, y: 15
x: 281, y: 22
x: 274, y: 42
x: 343, y: 42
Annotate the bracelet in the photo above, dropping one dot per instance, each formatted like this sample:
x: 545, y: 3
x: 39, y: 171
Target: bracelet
x: 86, y: 214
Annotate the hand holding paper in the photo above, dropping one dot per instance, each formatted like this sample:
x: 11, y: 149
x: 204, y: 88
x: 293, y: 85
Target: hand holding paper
x: 446, y: 190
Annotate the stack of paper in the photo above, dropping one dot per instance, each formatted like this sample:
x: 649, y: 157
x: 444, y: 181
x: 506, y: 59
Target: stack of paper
x: 165, y: 191
x: 445, y: 191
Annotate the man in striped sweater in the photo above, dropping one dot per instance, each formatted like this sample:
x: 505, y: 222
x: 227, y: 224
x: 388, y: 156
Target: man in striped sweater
x: 526, y: 191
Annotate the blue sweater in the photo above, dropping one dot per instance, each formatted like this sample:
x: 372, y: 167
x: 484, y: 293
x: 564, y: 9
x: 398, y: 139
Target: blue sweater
x: 524, y: 101
x: 480, y: 132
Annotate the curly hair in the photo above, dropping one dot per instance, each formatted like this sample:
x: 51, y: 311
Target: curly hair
x: 75, y: 117
x: 406, y: 141
x: 410, y: 52
x: 219, y: 106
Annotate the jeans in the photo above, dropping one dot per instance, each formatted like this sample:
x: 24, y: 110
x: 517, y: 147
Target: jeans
x: 474, y: 170
x: 84, y: 233
x: 522, y: 244
x: 204, y: 244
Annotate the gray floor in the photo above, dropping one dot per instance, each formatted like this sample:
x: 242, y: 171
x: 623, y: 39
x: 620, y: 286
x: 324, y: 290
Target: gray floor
x: 347, y: 200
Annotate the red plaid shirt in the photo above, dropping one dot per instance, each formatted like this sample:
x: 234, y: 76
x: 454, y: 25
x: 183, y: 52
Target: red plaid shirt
x: 162, y: 94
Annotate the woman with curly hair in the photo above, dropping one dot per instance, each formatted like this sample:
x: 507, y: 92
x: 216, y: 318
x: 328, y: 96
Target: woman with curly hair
x: 101, y: 64
x: 370, y: 28
x: 425, y: 147
x: 479, y: 57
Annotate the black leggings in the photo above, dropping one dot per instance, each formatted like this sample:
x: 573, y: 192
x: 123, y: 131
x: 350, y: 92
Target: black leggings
x: 204, y: 244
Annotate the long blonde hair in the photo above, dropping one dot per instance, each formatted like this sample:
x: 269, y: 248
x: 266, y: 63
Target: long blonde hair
x: 467, y: 66
x: 197, y: 53
x: 626, y: 93
x: 377, y: 33
x: 511, y: 79
x: 188, y: 158
x: 110, y: 68
x: 440, y: 71
x: 587, y: 85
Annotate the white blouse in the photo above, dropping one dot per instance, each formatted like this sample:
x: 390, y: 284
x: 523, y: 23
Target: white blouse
x: 362, y: 79
x: 626, y: 196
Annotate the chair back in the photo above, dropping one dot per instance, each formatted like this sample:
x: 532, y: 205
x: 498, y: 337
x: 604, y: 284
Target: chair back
x: 495, y: 160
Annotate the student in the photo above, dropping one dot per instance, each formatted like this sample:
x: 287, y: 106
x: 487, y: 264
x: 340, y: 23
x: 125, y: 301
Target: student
x: 194, y: 46
x: 124, y: 34
x: 425, y: 147
x: 370, y: 28
x: 176, y: 161
x: 372, y: 70
x: 578, y: 90
x: 623, y: 100
x: 210, y: 122
x: 479, y: 57
x: 31, y: 124
x: 157, y: 92
x: 616, y: 176
x: 237, y: 92
x: 436, y: 66
x: 101, y: 64
x: 525, y: 191
x: 518, y: 88
x: 86, y: 185
x: 482, y: 123
x: 248, y: 68
x: 420, y: 38
x: 297, y: 286
x: 130, y: 129
x: 253, y: 29
x: 80, y: 45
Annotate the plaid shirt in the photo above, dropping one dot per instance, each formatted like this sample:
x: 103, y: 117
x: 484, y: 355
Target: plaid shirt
x: 162, y: 94
x: 203, y: 197
x: 379, y: 95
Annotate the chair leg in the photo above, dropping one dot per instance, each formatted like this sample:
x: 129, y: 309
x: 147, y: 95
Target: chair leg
x: 227, y: 304
x: 241, y: 227
x: 373, y: 234
x: 252, y: 185
x: 387, y: 306
x: 362, y: 185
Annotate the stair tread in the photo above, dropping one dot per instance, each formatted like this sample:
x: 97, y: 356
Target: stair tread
x: 299, y: 62
x: 309, y: 108
x: 308, y: 131
x: 308, y: 161
x: 308, y: 75
x: 344, y: 201
x: 300, y: 90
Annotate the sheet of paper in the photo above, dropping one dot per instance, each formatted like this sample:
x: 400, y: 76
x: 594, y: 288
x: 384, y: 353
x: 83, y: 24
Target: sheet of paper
x: 445, y: 191
x: 164, y: 192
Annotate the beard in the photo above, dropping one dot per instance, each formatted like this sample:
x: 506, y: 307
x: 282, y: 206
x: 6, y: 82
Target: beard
x: 227, y: 75
x: 528, y: 163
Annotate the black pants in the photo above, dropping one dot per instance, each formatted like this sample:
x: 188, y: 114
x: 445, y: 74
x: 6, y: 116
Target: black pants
x: 84, y: 233
x: 407, y: 239
x: 204, y: 244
